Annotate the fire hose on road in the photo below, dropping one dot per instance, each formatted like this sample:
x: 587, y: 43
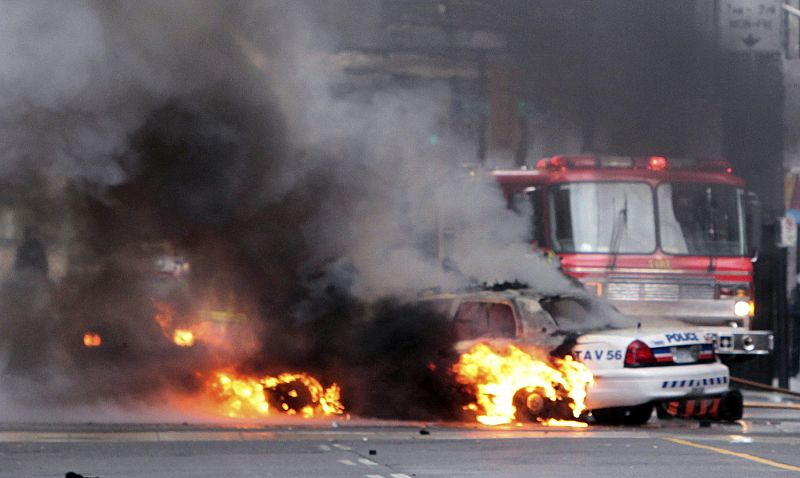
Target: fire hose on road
x: 784, y: 391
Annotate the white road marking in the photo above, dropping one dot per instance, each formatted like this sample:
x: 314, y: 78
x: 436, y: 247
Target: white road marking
x: 325, y: 448
x: 374, y: 476
x: 740, y: 439
x: 399, y: 475
x: 341, y: 447
x: 367, y: 462
x: 347, y: 462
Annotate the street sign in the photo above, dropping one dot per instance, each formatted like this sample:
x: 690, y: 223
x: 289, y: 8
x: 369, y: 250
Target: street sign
x: 788, y: 237
x: 751, y: 25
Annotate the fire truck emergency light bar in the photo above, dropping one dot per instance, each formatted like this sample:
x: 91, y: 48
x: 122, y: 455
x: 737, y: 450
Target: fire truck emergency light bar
x: 653, y: 163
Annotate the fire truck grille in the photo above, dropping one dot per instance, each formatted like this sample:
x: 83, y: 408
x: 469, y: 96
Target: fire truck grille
x: 656, y: 291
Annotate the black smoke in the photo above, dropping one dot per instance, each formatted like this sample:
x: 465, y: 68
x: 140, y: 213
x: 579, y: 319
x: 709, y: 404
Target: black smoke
x: 402, y: 361
x: 211, y: 131
x: 196, y: 173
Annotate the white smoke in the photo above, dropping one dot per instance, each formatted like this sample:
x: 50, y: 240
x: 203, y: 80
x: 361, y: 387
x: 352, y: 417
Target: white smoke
x: 405, y: 191
x: 78, y: 77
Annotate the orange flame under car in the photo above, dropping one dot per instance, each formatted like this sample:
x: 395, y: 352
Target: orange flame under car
x: 165, y: 317
x: 242, y: 396
x: 92, y: 339
x: 221, y: 330
x: 183, y: 338
x: 500, y: 374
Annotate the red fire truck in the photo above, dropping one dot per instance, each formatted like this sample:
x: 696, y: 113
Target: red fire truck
x: 658, y: 237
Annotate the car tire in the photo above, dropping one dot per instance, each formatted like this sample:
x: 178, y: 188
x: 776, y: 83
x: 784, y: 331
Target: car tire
x: 531, y: 404
x: 731, y: 407
x: 632, y: 416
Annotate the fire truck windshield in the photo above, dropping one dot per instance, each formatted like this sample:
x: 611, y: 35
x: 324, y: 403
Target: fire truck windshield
x: 603, y: 217
x: 698, y: 219
x: 701, y: 219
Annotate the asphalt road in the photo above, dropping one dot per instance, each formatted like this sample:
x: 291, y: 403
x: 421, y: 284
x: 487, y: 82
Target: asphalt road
x: 764, y: 443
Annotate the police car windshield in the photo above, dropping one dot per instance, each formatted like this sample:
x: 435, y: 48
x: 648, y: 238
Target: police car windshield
x: 584, y: 313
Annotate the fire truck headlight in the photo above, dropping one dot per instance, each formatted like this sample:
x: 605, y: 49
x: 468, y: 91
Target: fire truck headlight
x: 741, y: 308
x: 747, y: 343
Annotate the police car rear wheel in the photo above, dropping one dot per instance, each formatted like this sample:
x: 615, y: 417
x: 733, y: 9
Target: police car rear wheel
x: 731, y: 407
x: 633, y: 416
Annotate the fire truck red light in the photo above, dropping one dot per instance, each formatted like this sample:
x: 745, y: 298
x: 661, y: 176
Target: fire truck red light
x: 557, y: 162
x: 657, y: 163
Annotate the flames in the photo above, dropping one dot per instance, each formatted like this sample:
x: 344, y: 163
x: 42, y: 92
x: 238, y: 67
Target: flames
x: 92, y: 339
x: 183, y: 338
x: 236, y: 395
x: 165, y: 318
x: 510, y: 382
x: 212, y: 328
x: 242, y: 396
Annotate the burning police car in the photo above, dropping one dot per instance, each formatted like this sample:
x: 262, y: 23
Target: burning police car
x: 633, y: 368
